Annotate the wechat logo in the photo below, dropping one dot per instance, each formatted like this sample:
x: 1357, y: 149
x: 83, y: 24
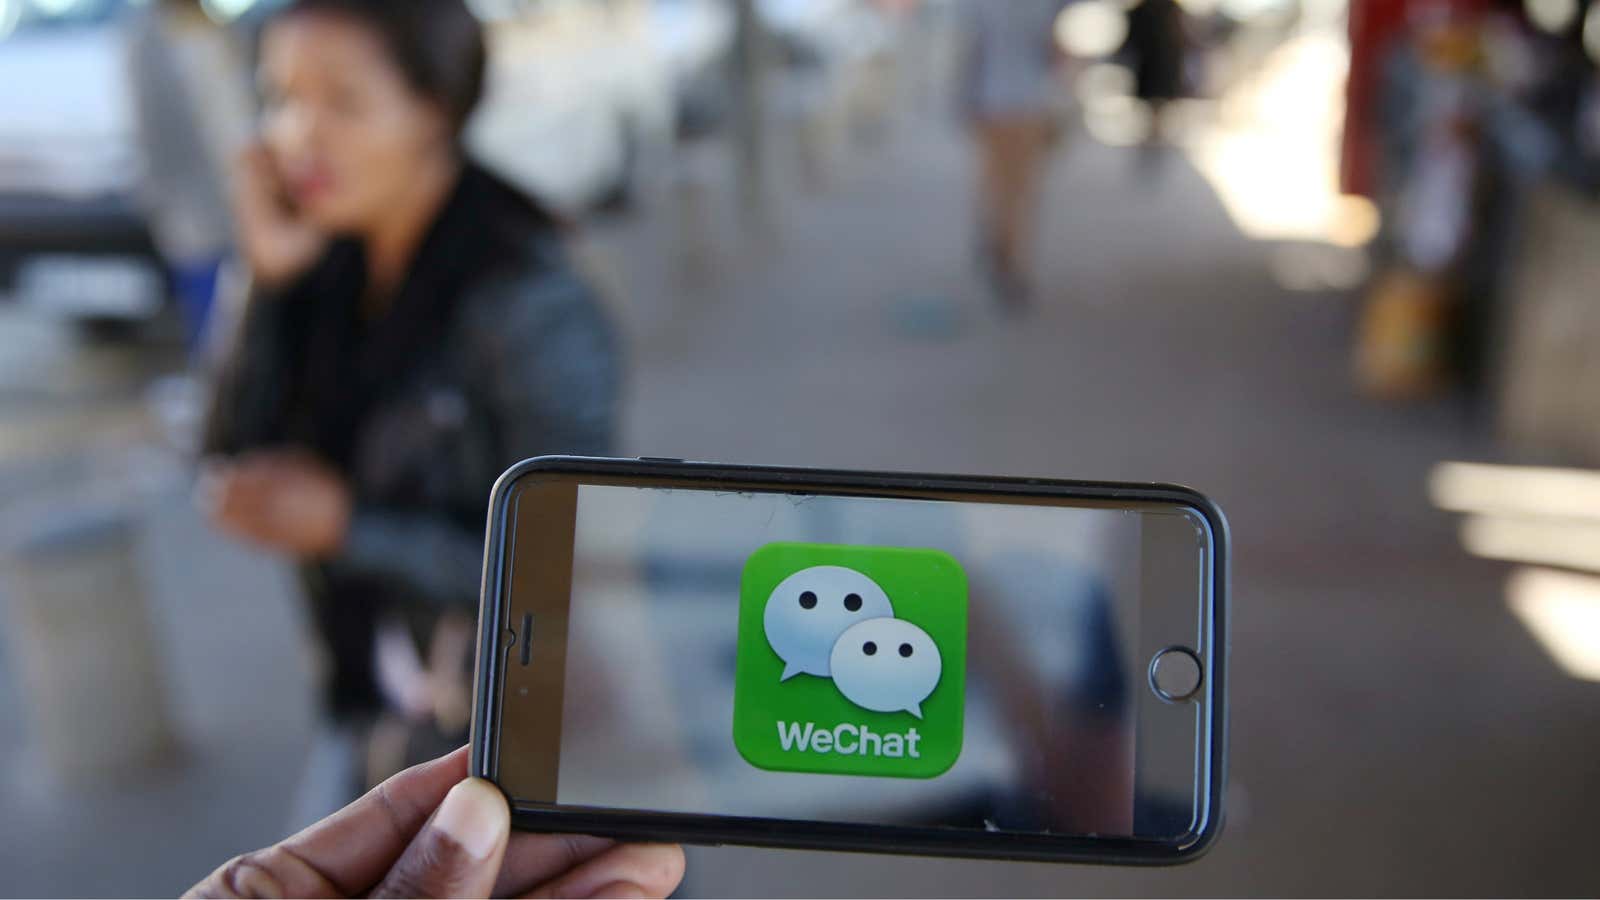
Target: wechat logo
x: 808, y: 611
x: 808, y: 618
x: 852, y: 660
x: 885, y: 664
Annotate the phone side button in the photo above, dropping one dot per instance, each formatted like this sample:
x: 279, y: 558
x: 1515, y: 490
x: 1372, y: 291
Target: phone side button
x: 525, y: 650
x: 660, y: 459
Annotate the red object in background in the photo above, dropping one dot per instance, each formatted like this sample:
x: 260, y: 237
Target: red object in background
x: 1374, y: 26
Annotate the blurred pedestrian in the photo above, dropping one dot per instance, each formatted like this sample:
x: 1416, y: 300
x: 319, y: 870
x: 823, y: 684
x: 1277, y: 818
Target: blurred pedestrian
x: 1157, y: 43
x: 1008, y: 89
x: 192, y: 114
x: 415, y: 327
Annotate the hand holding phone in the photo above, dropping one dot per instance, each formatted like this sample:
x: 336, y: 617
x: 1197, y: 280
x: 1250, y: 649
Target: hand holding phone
x: 431, y: 832
x: 1014, y: 668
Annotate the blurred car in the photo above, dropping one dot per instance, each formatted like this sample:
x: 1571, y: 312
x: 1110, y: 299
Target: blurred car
x: 72, y: 238
x: 578, y: 94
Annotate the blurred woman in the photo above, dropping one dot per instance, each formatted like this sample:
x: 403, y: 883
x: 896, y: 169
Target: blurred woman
x: 415, y: 327
x: 1009, y: 83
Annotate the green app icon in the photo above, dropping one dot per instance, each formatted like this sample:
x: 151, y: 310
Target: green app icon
x: 852, y: 660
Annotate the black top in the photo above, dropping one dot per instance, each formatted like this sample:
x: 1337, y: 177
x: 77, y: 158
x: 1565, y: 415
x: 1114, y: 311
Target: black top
x: 493, y: 350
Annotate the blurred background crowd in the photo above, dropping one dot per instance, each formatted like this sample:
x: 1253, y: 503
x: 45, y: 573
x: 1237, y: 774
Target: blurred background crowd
x: 284, y: 284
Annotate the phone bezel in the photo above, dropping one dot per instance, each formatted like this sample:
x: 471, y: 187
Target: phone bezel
x: 766, y: 832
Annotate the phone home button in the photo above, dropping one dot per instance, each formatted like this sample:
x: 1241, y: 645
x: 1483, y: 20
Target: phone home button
x: 1176, y: 674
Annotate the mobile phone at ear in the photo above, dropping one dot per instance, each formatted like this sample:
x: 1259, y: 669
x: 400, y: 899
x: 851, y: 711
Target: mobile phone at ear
x: 990, y: 667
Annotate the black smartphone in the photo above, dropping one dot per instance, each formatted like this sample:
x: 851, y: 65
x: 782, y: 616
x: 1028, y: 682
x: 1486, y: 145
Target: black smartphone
x: 995, y: 667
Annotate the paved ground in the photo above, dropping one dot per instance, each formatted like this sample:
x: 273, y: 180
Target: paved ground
x: 1390, y: 715
x: 1394, y: 728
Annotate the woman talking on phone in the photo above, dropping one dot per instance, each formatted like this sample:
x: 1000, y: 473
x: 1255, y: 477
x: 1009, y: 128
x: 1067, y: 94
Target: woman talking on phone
x: 414, y: 328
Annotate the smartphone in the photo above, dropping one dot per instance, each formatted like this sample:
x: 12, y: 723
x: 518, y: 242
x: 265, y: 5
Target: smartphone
x: 933, y: 664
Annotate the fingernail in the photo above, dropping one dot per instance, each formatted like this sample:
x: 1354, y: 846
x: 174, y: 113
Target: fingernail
x: 474, y: 815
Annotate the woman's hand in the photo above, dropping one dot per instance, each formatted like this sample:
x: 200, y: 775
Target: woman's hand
x: 285, y: 500
x: 278, y: 244
x: 432, y: 832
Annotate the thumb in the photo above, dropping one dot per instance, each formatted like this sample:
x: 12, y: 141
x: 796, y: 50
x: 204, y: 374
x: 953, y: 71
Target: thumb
x: 457, y: 853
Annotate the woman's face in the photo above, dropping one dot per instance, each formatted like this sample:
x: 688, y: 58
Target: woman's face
x: 346, y: 131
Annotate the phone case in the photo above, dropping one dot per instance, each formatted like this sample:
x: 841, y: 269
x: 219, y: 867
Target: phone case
x: 764, y: 832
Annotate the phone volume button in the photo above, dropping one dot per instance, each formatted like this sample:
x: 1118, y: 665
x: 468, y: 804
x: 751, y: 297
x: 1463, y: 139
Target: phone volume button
x: 525, y: 649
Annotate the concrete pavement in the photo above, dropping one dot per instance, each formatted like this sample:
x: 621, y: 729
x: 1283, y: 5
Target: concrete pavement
x: 1394, y: 731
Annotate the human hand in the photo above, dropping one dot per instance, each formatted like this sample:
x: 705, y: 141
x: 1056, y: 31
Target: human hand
x: 432, y: 832
x: 278, y: 244
x: 285, y: 500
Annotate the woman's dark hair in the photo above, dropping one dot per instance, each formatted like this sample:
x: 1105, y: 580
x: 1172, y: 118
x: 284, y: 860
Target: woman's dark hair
x: 437, y: 45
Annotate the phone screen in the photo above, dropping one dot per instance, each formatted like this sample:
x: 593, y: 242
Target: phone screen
x: 916, y: 661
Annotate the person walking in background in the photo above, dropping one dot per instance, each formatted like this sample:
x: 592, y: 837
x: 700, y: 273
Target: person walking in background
x: 1157, y: 43
x: 414, y: 327
x: 1008, y: 87
x: 192, y: 113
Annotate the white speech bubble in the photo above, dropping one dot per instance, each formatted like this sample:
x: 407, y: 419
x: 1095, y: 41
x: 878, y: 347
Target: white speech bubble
x: 886, y: 665
x: 808, y: 611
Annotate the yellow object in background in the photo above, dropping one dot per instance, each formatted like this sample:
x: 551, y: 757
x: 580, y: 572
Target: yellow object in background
x: 1402, y: 345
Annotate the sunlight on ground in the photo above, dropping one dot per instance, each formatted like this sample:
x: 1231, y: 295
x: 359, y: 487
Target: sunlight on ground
x: 1540, y: 515
x: 1271, y: 151
x: 1527, y: 491
x: 1562, y: 610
